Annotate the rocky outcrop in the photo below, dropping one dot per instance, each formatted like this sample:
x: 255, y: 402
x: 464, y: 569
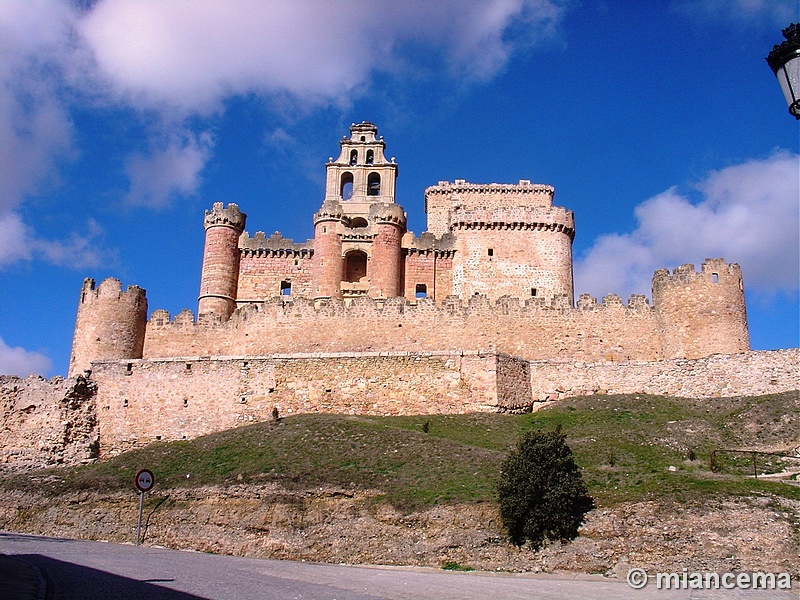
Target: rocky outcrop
x: 352, y: 526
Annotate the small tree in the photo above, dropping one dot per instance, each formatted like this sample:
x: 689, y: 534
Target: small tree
x: 541, y: 492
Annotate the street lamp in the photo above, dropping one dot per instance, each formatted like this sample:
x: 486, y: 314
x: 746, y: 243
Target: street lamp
x: 784, y: 60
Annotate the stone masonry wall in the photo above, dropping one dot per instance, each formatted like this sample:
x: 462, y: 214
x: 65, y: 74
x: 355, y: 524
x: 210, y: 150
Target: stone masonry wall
x: 721, y: 375
x: 46, y: 422
x: 146, y: 400
x: 261, y: 275
x: 129, y: 403
x: 533, y: 330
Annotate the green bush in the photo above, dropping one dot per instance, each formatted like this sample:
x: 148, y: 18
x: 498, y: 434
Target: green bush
x: 541, y: 492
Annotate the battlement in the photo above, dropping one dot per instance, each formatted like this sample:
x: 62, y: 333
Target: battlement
x: 523, y: 193
x: 452, y: 306
x: 427, y: 242
x: 712, y: 270
x: 276, y: 244
x: 553, y: 218
x: 330, y: 210
x: 229, y: 216
x: 110, y: 289
x: 387, y: 213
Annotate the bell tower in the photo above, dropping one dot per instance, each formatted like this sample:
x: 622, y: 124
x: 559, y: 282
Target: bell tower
x: 361, y: 176
x: 359, y: 229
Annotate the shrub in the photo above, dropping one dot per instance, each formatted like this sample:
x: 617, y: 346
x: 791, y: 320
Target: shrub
x: 541, y: 492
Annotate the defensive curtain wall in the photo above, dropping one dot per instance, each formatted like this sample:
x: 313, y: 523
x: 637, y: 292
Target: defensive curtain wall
x: 127, y: 403
x: 695, y: 314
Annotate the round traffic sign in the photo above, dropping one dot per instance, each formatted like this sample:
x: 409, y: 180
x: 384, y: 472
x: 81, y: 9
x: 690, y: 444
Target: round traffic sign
x: 144, y: 480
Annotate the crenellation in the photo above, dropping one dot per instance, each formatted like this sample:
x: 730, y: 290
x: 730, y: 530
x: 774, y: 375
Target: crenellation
x: 586, y: 302
x: 638, y: 302
x: 612, y: 301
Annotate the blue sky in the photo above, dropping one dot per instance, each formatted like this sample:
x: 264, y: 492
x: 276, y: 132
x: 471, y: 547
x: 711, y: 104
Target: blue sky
x: 658, y: 122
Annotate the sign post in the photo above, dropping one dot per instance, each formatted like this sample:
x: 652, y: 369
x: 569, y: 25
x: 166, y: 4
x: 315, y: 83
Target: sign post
x: 144, y: 482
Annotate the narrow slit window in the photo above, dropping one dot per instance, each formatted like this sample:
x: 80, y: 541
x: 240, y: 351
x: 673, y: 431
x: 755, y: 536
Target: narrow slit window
x: 715, y: 278
x: 491, y: 251
x: 533, y: 292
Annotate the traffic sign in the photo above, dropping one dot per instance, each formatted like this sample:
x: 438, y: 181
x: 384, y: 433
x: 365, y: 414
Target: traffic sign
x: 144, y: 480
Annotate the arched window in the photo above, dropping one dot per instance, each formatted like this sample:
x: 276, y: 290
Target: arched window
x: 370, y: 157
x: 358, y: 223
x: 374, y: 184
x: 346, y: 186
x: 353, y: 157
x: 355, y: 266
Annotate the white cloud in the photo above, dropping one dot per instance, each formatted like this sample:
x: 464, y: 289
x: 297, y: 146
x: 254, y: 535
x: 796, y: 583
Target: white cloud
x: 748, y: 214
x: 14, y: 235
x: 192, y: 55
x: 35, y: 129
x: 175, y: 169
x: 21, y: 362
x: 79, y: 251
x: 18, y: 242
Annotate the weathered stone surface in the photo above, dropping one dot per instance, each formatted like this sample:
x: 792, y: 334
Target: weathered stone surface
x: 347, y: 526
x: 126, y: 404
x: 47, y: 422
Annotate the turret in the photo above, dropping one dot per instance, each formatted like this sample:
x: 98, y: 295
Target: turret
x: 327, y: 261
x: 389, y: 222
x: 701, y: 313
x: 110, y: 324
x: 220, y: 275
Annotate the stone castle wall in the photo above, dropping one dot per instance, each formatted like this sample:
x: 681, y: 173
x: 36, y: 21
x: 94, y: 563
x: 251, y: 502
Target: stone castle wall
x: 128, y: 403
x: 751, y: 373
x: 146, y: 400
x: 143, y: 401
x: 532, y: 330
x: 47, y: 422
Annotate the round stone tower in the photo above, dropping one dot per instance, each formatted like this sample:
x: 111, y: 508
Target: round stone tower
x: 110, y: 324
x: 220, y: 275
x: 327, y: 261
x: 389, y: 221
x: 703, y: 313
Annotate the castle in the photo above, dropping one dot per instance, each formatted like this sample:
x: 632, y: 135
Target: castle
x: 477, y: 313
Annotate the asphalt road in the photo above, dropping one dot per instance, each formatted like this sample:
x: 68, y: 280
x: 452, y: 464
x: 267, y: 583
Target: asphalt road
x: 81, y: 570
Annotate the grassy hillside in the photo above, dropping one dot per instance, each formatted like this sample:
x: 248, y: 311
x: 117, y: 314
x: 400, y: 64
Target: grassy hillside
x: 625, y: 445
